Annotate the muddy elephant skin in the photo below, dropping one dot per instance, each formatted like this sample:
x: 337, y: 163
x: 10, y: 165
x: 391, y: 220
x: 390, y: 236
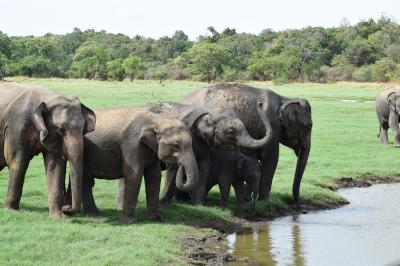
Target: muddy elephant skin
x: 34, y: 120
x: 387, y: 112
x: 233, y: 168
x: 130, y: 144
x: 289, y: 118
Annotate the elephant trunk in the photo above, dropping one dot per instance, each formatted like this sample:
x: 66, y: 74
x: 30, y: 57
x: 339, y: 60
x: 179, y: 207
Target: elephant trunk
x: 189, y: 168
x: 302, y: 158
x: 245, y: 140
x: 73, y: 148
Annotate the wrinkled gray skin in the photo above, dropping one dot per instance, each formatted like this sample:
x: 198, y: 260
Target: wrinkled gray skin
x: 34, y: 120
x: 217, y: 127
x: 388, y: 111
x: 232, y: 168
x: 130, y: 144
x: 290, y: 121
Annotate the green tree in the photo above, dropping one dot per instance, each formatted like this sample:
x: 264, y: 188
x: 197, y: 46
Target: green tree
x: 207, y: 60
x: 133, y: 66
x: 90, y: 61
x: 3, y: 66
x: 115, y: 70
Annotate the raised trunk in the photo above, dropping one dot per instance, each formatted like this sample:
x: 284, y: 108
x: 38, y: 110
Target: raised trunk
x: 188, y: 167
x: 73, y: 148
x: 302, y: 158
x: 245, y: 140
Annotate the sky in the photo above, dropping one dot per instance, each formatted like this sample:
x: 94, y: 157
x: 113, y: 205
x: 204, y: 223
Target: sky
x: 157, y: 18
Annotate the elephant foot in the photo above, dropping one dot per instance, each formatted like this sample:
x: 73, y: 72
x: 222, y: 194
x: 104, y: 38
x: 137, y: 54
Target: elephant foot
x: 57, y: 215
x: 154, y: 216
x: 127, y: 220
x: 165, y: 203
x: 11, y: 205
x: 69, y: 210
x: 92, y: 213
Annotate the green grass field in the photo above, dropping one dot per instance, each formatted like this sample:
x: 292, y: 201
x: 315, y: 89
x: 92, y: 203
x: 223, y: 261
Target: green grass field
x: 344, y: 144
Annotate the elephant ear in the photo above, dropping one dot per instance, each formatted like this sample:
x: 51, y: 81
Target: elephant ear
x: 39, y: 115
x: 149, y: 136
x: 391, y: 101
x: 190, y: 117
x: 285, y: 105
x: 90, y: 119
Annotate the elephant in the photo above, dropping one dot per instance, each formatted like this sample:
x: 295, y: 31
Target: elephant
x: 34, y: 120
x: 387, y: 111
x: 216, y: 127
x: 130, y: 144
x: 233, y: 168
x: 289, y: 118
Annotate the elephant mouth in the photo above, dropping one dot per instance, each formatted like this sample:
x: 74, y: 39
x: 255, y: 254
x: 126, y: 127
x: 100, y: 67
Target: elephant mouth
x: 169, y: 159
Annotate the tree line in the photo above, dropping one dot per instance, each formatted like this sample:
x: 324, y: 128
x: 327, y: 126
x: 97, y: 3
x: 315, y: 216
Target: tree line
x: 366, y: 51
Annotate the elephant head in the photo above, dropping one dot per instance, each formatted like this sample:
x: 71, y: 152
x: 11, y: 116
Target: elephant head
x: 230, y: 130
x: 169, y: 139
x: 393, y: 101
x: 62, y: 121
x: 250, y: 170
x: 200, y: 123
x: 295, y: 116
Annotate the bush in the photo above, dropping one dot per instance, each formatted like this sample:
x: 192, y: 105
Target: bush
x: 385, y: 70
x: 364, y: 73
x: 115, y: 71
x: 337, y: 73
x: 3, y: 66
x: 134, y: 67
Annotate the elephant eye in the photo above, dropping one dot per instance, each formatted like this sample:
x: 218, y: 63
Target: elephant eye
x: 61, y: 129
x: 175, y: 146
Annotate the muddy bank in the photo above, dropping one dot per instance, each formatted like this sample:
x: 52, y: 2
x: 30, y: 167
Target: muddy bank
x: 205, y: 250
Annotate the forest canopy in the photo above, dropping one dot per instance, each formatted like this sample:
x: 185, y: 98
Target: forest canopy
x: 367, y: 51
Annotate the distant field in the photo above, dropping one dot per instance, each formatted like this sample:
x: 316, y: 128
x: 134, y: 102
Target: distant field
x: 344, y: 144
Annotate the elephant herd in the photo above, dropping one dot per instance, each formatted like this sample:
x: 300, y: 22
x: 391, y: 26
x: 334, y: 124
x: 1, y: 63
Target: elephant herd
x: 225, y: 134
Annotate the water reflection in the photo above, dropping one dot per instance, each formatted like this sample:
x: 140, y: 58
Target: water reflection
x: 268, y: 244
x: 366, y: 232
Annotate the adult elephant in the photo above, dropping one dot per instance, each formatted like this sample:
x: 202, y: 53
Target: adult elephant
x: 34, y: 120
x: 214, y: 127
x: 131, y: 144
x: 387, y: 111
x: 289, y: 118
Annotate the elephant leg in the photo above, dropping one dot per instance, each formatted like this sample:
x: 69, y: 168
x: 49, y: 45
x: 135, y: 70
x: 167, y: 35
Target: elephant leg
x: 152, y: 179
x: 89, y: 205
x: 394, y: 126
x: 198, y: 195
x: 238, y: 186
x: 383, y: 134
x: 169, y: 190
x: 224, y: 191
x: 133, y: 181
x: 55, y: 166
x: 120, y: 194
x: 269, y: 161
x: 17, y: 166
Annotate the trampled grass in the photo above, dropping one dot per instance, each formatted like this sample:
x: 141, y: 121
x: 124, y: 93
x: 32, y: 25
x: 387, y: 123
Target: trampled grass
x: 344, y: 144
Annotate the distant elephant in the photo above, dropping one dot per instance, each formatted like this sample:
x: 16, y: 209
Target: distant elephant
x: 129, y: 144
x: 216, y: 127
x: 232, y: 168
x: 388, y: 111
x: 289, y: 118
x: 34, y: 120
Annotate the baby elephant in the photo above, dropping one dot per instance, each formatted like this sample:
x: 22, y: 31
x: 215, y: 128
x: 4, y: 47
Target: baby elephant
x: 129, y: 144
x: 233, y: 168
x: 388, y: 111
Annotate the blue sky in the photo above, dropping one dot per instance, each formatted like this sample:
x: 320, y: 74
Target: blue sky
x: 156, y: 18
